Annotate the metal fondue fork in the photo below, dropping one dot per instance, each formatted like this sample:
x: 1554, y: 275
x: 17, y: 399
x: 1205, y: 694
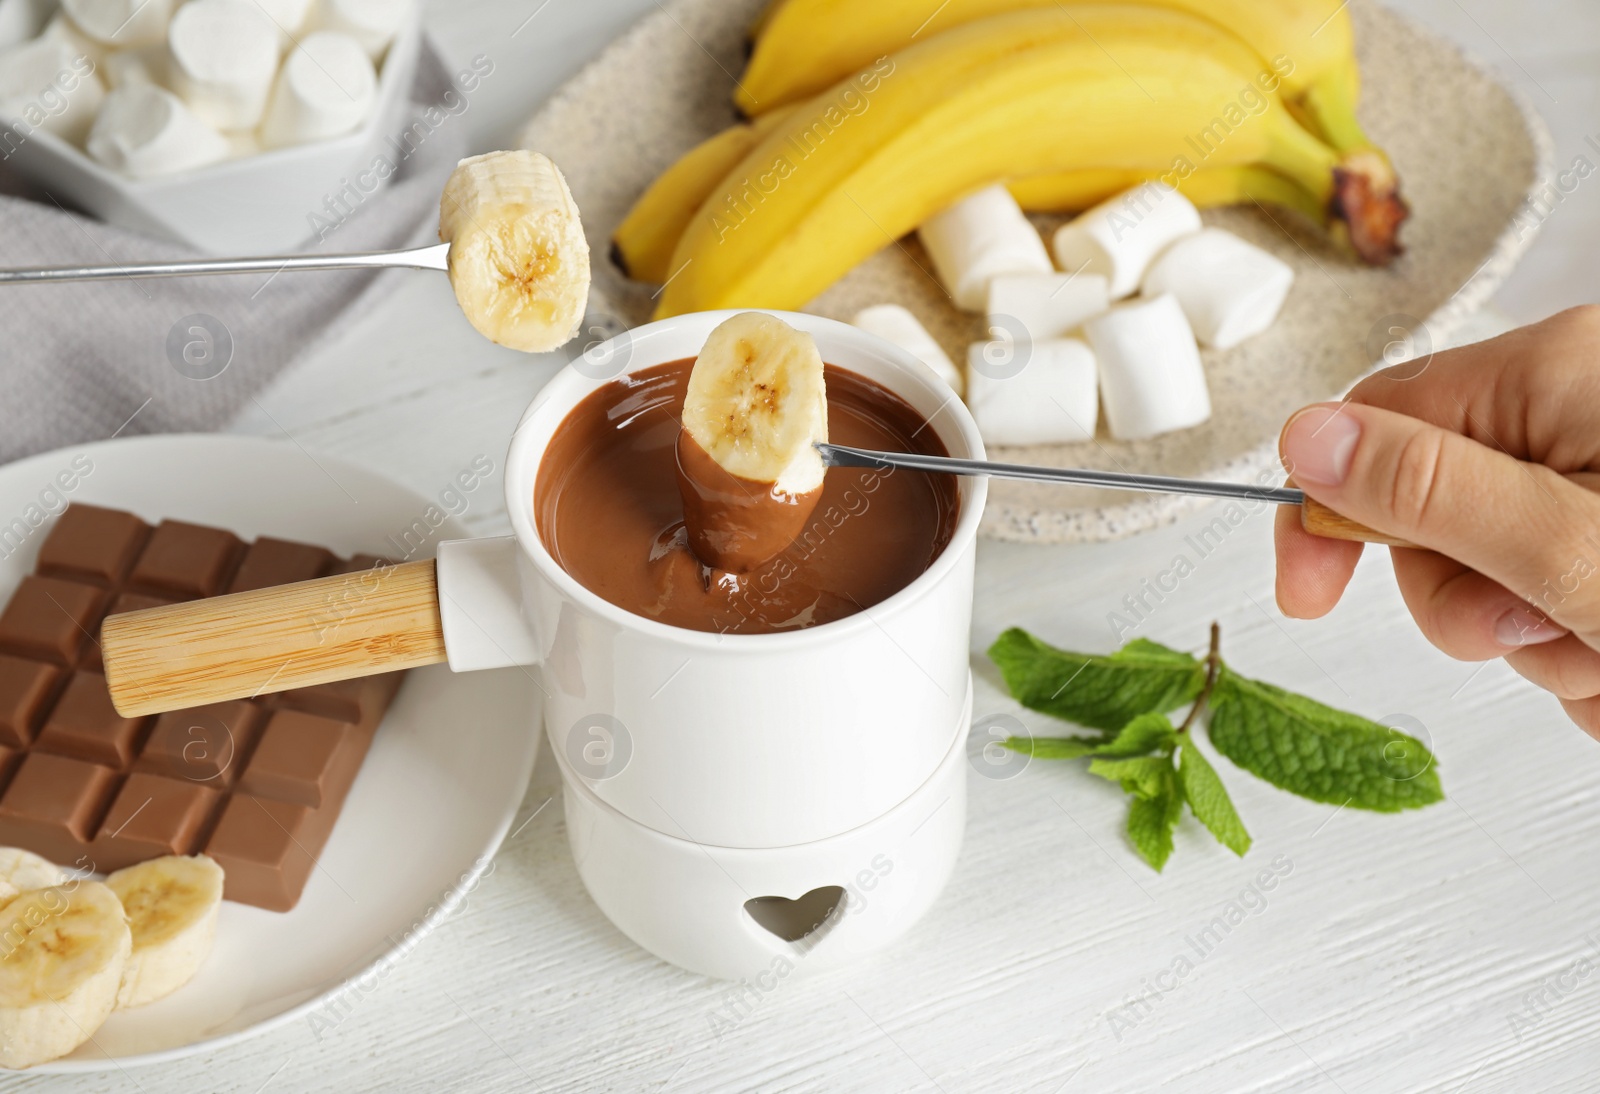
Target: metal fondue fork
x: 431, y: 257
x: 838, y: 455
x: 1314, y: 516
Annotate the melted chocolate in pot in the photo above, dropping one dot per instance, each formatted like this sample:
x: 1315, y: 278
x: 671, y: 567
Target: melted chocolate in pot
x: 607, y: 506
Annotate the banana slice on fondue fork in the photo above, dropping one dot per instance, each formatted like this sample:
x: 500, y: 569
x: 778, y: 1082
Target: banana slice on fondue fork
x: 513, y: 245
x: 748, y: 470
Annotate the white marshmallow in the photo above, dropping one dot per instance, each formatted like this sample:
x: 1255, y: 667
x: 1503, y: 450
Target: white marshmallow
x: 144, y: 131
x: 1121, y: 236
x: 121, y: 23
x: 19, y: 23
x: 1047, y: 305
x: 1053, y: 399
x: 63, y: 29
x: 978, y: 237
x: 288, y: 16
x: 224, y: 56
x: 373, y: 23
x: 1151, y: 379
x: 48, y: 84
x: 895, y: 324
x: 326, y: 88
x: 143, y: 65
x: 1229, y: 289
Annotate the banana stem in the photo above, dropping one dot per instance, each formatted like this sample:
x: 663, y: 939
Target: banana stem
x: 1359, y: 189
x: 1366, y: 195
x: 1368, y: 207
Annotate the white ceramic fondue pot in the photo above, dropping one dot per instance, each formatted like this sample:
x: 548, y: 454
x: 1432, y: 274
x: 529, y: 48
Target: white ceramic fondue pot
x: 735, y: 803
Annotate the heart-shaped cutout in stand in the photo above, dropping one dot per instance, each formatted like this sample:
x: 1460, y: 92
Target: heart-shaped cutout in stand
x: 792, y: 920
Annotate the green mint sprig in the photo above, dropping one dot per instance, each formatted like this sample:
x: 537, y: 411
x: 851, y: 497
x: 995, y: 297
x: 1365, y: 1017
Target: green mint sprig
x: 1294, y: 743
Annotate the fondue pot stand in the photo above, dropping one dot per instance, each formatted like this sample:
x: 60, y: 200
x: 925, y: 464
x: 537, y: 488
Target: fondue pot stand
x: 744, y: 806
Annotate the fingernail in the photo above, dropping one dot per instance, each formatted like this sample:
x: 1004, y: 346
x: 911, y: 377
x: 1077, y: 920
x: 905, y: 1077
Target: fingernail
x: 1525, y: 627
x: 1318, y: 444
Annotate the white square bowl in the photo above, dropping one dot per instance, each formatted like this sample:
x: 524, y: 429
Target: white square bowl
x: 258, y: 204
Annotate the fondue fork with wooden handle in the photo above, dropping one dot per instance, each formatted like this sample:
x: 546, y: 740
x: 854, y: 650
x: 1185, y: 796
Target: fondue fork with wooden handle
x: 1315, y: 517
x: 334, y: 628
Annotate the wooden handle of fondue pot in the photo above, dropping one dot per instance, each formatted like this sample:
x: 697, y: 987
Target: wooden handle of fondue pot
x: 266, y: 640
x: 1319, y: 520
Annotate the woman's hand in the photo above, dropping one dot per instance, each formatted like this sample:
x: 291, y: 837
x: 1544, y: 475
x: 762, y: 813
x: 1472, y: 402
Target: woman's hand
x: 1489, y: 457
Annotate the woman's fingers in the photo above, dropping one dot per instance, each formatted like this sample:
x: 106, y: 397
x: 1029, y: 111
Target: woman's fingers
x: 1312, y: 571
x: 1465, y: 614
x: 1520, y: 524
x: 1566, y: 668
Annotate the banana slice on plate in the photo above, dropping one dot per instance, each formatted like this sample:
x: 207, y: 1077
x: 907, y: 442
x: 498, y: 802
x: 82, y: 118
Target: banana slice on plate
x: 62, y: 954
x: 518, y: 261
x: 23, y: 870
x: 171, y: 904
x: 748, y: 472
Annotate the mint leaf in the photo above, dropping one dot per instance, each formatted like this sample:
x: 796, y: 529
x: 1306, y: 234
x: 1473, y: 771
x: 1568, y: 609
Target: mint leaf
x: 1145, y: 733
x: 1209, y: 801
x: 1151, y: 820
x: 1155, y: 651
x: 1142, y: 776
x: 1098, y: 691
x: 1320, y: 753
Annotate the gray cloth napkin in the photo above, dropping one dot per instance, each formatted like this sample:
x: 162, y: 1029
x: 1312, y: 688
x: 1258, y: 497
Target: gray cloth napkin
x: 78, y: 361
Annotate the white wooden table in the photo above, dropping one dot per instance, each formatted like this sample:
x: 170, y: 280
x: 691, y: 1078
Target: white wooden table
x: 1454, y: 949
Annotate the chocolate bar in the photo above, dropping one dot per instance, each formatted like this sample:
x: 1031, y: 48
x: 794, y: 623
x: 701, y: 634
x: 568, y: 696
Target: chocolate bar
x: 256, y: 784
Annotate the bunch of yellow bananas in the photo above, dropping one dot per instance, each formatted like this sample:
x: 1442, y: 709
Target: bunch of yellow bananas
x: 866, y: 119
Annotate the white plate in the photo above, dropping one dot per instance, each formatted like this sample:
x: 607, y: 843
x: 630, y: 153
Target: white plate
x: 436, y: 796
